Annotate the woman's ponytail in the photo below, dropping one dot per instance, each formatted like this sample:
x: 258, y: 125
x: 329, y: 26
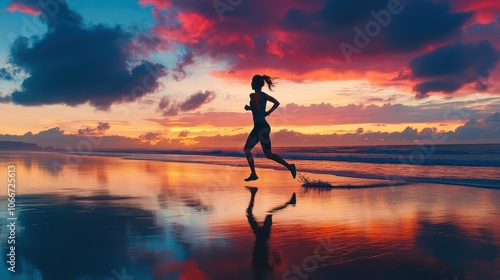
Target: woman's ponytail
x: 269, y: 81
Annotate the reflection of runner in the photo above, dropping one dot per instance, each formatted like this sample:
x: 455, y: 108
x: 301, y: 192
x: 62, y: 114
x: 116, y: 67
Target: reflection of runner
x: 260, y: 253
x: 261, y: 130
x: 293, y: 201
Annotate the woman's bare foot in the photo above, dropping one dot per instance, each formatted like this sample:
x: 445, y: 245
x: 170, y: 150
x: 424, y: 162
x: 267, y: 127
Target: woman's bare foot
x: 252, y: 177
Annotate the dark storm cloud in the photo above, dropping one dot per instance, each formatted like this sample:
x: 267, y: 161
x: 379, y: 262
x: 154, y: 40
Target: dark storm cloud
x: 5, y: 74
x: 5, y: 99
x: 99, y: 130
x: 418, y: 23
x: 197, y: 99
x: 296, y: 38
x: 151, y: 136
x: 493, y: 121
x: 333, y: 15
x: 164, y: 103
x: 103, y: 126
x: 480, y: 128
x: 449, y: 68
x: 186, y: 59
x: 168, y: 107
x: 146, y: 43
x: 193, y: 102
x: 183, y: 134
x: 424, y: 22
x: 55, y: 131
x: 339, y: 13
x: 76, y: 63
x: 59, y: 139
x: 443, y: 86
x: 414, y: 25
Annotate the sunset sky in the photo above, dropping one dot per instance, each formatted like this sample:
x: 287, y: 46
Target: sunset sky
x: 176, y: 73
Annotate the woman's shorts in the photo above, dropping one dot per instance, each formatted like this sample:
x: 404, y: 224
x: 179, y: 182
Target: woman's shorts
x: 260, y: 133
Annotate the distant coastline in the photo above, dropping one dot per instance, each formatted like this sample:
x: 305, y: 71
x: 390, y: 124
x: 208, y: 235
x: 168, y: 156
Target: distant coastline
x: 21, y: 146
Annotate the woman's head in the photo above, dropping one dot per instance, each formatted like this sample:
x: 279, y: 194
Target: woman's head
x: 258, y: 82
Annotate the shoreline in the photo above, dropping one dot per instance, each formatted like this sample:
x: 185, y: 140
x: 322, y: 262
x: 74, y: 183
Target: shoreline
x: 391, y: 180
x: 345, y: 177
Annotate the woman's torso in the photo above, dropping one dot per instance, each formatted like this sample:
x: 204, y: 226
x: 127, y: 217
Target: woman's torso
x: 259, y: 116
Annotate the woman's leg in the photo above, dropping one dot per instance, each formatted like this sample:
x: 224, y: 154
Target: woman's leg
x: 277, y: 158
x: 252, y: 140
x: 265, y: 141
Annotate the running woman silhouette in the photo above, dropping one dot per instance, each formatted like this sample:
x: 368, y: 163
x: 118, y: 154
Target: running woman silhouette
x: 261, y: 129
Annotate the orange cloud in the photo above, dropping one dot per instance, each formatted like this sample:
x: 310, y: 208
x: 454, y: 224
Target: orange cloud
x: 326, y: 114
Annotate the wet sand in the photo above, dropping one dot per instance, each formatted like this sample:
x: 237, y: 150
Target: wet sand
x: 101, y: 217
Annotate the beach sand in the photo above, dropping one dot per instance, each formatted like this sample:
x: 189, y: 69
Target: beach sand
x: 168, y: 220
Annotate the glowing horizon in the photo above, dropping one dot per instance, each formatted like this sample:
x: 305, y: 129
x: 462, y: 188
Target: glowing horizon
x: 180, y: 75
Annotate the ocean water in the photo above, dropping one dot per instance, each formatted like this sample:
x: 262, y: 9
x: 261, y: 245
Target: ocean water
x: 465, y: 165
x: 113, y: 218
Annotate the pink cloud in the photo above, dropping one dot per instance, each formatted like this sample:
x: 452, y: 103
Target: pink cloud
x: 487, y: 11
x: 328, y: 114
x: 475, y: 130
x: 300, y: 41
x: 23, y: 8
